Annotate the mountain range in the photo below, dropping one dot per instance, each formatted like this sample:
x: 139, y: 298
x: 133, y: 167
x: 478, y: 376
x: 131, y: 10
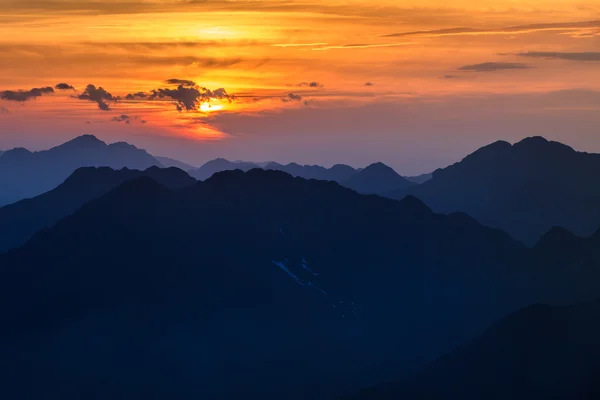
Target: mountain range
x: 540, y: 352
x: 290, y: 288
x: 29, y: 216
x: 25, y: 174
x: 524, y: 189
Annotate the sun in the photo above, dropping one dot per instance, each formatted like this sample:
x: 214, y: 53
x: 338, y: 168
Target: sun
x: 207, y: 107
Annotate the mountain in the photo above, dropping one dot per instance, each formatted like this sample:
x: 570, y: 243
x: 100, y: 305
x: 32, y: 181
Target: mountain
x: 170, y: 162
x: 220, y: 165
x: 419, y: 178
x: 1, y: 152
x: 25, y: 174
x: 290, y: 288
x: 378, y: 179
x: 338, y: 173
x: 539, y: 352
x: 524, y: 189
x: 19, y: 221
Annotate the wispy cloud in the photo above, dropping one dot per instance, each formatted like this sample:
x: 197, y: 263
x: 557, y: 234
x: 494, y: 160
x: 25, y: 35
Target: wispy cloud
x: 128, y: 119
x: 520, y: 29
x: 64, y: 86
x: 361, y: 46
x: 494, y: 66
x: 583, y: 56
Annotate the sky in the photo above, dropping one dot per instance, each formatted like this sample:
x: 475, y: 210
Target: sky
x: 415, y: 84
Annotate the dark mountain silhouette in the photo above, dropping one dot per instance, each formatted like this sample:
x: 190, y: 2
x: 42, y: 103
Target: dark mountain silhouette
x: 419, y: 178
x: 25, y: 174
x: 540, y: 352
x: 290, y: 288
x: 170, y: 162
x: 378, y: 179
x: 1, y: 152
x: 338, y: 173
x: 220, y: 165
x: 524, y: 189
x: 19, y: 221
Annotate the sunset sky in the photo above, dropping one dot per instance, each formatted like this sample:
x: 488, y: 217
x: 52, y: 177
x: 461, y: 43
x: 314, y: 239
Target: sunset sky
x: 415, y: 84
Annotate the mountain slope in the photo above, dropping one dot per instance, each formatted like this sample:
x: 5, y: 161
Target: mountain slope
x: 24, y: 174
x: 150, y: 285
x: 540, y: 352
x: 378, y: 179
x: 170, y: 162
x: 219, y: 165
x: 19, y: 221
x: 524, y: 189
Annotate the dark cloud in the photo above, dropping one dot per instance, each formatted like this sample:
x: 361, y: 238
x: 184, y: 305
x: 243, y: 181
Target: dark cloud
x: 128, y: 119
x: 369, y: 84
x: 187, y: 96
x: 311, y: 84
x: 511, y: 29
x: 98, y: 96
x: 64, y: 86
x: 25, y: 95
x: 493, y: 66
x: 292, y: 97
x: 182, y: 82
x: 584, y: 56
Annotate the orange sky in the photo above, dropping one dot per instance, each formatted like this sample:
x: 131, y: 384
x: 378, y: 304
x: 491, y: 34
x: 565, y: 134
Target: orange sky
x: 425, y: 80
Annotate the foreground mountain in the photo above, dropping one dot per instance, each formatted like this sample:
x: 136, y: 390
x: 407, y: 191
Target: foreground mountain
x: 540, y: 352
x: 171, y: 162
x: 19, y: 221
x: 378, y: 179
x: 25, y: 174
x: 524, y: 189
x: 220, y: 165
x: 290, y: 288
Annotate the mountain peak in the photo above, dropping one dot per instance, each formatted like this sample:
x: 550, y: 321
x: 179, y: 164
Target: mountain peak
x: 85, y: 140
x: 557, y: 236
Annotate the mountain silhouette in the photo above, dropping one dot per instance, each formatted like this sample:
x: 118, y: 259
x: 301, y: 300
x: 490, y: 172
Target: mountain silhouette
x: 539, y: 352
x: 170, y: 162
x: 19, y: 221
x: 524, y: 189
x: 419, y: 178
x: 338, y: 173
x: 25, y: 174
x: 378, y: 179
x: 219, y: 165
x: 290, y: 288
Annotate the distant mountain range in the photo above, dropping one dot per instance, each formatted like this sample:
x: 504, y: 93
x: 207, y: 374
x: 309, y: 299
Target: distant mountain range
x: 290, y: 288
x: 25, y: 174
x: 524, y: 189
x: 539, y: 352
x: 171, y: 162
x: 375, y: 179
x: 19, y: 221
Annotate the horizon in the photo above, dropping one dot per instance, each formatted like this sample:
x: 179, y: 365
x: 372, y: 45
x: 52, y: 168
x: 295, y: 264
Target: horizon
x: 326, y: 165
x: 416, y: 85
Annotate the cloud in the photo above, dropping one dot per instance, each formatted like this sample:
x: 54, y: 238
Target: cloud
x: 493, y: 66
x: 182, y: 82
x: 584, y: 56
x: 4, y: 110
x: 128, y: 119
x: 311, y: 84
x: 25, y: 95
x: 369, y: 84
x: 64, y: 86
x: 519, y: 29
x: 187, y: 96
x: 98, y: 96
x: 292, y: 97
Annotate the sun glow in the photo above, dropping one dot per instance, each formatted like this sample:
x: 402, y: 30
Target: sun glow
x: 207, y: 107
